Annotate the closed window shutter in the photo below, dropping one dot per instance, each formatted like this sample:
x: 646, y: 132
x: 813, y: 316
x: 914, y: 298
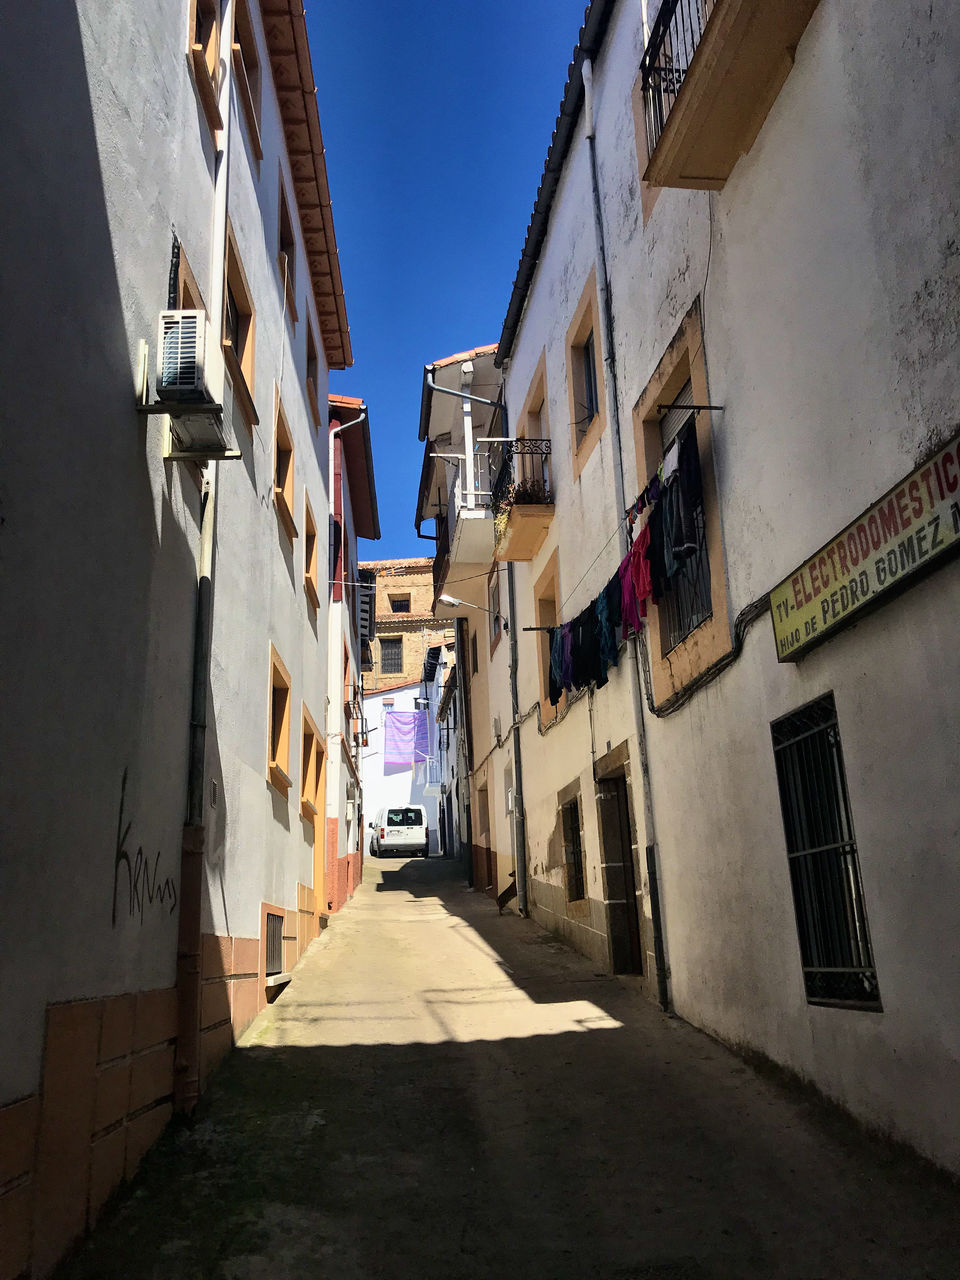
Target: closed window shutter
x: 676, y: 416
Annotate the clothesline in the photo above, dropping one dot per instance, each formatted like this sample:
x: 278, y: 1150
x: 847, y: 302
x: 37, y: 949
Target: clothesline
x: 583, y: 650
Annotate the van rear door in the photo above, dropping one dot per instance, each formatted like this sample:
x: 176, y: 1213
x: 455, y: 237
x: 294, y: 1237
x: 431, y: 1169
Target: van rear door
x: 404, y: 827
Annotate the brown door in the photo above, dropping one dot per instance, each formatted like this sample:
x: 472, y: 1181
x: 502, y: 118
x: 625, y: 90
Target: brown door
x: 620, y: 881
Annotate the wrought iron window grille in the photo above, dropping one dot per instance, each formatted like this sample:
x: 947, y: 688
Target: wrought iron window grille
x: 835, y: 949
x: 687, y: 603
x: 274, y: 945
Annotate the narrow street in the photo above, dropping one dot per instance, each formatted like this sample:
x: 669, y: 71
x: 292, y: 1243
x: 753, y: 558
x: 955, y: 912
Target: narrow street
x: 442, y: 1092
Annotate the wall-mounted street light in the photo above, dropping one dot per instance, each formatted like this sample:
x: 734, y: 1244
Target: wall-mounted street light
x: 454, y: 603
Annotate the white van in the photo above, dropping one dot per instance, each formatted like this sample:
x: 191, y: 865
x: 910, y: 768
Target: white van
x: 400, y: 830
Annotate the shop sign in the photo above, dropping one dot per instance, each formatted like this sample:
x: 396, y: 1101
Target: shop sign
x: 914, y: 524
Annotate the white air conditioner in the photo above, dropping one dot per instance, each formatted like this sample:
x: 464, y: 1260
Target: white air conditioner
x: 181, y: 348
x: 196, y: 422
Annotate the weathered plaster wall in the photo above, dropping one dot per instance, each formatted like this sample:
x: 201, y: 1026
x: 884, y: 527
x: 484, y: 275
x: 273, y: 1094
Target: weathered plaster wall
x: 830, y: 343
x: 261, y: 848
x: 826, y: 271
x: 99, y: 536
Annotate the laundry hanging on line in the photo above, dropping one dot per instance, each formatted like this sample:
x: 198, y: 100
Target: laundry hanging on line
x: 583, y: 650
x: 406, y: 740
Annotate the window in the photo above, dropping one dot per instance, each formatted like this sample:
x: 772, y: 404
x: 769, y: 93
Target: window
x: 246, y: 68
x: 573, y: 850
x: 278, y: 763
x: 688, y: 629
x: 274, y: 963
x: 400, y: 604
x: 313, y: 374
x: 474, y: 659
x: 493, y: 604
x: 203, y: 50
x: 310, y: 757
x: 546, y: 593
x: 310, y: 585
x: 239, y: 330
x: 584, y: 376
x: 391, y: 655
x: 405, y: 818
x: 687, y: 602
x: 835, y: 949
x: 189, y: 297
x: 283, y: 472
x: 287, y: 254
x: 532, y: 470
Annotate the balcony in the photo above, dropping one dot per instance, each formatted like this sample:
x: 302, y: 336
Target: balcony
x: 710, y: 74
x: 522, y: 499
x: 465, y: 532
x: 432, y: 777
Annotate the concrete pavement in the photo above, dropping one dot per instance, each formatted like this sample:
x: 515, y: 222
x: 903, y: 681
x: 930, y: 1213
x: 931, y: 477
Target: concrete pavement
x: 441, y: 1092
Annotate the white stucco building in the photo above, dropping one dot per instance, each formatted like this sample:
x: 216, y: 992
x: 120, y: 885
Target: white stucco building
x: 743, y: 245
x: 162, y: 830
x: 384, y: 786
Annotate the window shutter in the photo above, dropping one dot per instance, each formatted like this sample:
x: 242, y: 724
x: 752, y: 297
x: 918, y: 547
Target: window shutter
x: 676, y: 416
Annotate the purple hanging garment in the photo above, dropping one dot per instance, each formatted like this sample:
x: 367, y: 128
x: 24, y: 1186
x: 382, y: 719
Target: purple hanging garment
x: 406, y: 739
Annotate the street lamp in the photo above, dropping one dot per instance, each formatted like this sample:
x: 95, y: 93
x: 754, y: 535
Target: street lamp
x: 454, y: 603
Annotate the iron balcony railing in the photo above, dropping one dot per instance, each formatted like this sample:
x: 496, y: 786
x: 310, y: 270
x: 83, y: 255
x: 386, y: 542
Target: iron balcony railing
x: 524, y: 476
x: 676, y: 33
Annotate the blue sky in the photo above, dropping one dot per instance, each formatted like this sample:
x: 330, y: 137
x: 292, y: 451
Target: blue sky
x: 436, y: 121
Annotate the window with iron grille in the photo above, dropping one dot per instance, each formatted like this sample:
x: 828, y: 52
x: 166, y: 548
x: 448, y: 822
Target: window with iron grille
x: 400, y: 604
x: 835, y: 949
x: 686, y: 604
x: 274, y: 944
x: 573, y: 850
x: 391, y: 656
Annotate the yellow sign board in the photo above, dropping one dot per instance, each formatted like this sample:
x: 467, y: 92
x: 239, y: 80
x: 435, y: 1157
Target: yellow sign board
x: 915, y: 523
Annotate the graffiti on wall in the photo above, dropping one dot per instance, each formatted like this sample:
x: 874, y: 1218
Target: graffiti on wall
x: 143, y: 883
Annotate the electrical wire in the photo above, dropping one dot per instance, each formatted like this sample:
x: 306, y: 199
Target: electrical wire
x: 616, y: 531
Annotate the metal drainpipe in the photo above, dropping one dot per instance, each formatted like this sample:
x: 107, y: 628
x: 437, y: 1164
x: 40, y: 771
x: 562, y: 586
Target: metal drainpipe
x: 613, y: 409
x: 514, y: 694
x: 520, y: 816
x: 187, y: 1061
x: 462, y: 741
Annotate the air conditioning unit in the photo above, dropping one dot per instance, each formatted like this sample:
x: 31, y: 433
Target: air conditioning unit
x: 181, y: 348
x: 195, y: 420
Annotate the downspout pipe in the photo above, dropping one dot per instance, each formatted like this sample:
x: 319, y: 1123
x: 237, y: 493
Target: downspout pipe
x: 519, y: 814
x: 463, y: 740
x: 187, y: 1057
x: 613, y: 411
x: 521, y: 821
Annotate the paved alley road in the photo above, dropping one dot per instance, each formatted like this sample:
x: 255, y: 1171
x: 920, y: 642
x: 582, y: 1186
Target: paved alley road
x: 444, y: 1093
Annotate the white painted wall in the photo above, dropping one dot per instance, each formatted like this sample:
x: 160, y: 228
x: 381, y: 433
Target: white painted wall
x: 379, y: 789
x: 343, y: 795
x: 99, y: 536
x: 261, y: 846
x: 828, y: 285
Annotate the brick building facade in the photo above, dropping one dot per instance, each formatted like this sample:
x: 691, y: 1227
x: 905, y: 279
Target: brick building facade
x: 406, y: 628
